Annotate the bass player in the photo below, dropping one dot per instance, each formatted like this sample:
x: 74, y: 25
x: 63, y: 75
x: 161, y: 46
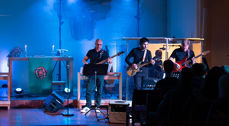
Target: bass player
x: 95, y: 56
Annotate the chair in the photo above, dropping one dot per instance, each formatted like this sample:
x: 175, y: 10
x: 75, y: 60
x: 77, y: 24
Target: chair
x: 5, y: 103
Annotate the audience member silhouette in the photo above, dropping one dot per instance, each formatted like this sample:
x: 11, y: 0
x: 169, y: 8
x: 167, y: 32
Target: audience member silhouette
x: 168, y: 83
x: 219, y: 112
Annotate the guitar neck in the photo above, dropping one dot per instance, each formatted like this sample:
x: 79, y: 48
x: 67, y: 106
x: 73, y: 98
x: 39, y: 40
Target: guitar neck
x: 103, y: 61
x: 144, y: 64
x: 198, y: 56
x: 188, y: 61
x: 202, y: 54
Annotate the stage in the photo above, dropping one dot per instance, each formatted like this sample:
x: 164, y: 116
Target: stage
x: 27, y: 110
x: 37, y: 117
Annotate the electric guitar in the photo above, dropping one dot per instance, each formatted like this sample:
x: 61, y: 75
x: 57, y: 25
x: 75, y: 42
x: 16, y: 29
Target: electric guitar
x: 103, y: 61
x: 131, y: 71
x: 183, y: 63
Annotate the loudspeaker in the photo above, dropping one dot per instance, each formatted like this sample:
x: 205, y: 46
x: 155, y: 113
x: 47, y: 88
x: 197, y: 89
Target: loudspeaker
x: 117, y: 111
x: 53, y: 102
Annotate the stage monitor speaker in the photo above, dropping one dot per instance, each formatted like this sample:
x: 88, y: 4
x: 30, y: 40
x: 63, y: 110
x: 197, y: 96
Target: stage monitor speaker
x: 117, y: 111
x: 53, y: 102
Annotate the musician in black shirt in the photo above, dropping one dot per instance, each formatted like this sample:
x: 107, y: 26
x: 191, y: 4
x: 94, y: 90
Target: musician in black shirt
x: 156, y: 71
x: 95, y: 55
x: 140, y: 55
x: 183, y: 54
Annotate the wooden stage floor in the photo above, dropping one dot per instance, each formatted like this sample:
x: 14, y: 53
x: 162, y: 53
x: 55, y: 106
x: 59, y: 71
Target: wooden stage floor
x: 37, y: 117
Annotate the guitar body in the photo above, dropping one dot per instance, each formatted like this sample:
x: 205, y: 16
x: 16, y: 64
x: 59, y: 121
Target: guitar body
x: 131, y: 72
x: 181, y: 64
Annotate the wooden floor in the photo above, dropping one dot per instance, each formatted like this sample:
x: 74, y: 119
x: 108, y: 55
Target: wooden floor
x: 37, y: 117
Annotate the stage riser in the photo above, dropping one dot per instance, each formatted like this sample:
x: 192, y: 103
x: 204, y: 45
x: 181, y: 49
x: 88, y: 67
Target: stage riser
x: 38, y: 103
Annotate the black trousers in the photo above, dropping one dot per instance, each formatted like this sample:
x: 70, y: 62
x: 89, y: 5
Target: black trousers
x: 139, y: 77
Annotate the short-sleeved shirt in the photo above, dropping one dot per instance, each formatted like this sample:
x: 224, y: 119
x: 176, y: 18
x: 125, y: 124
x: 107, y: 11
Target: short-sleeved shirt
x: 96, y: 57
x: 137, y: 55
x: 179, y: 54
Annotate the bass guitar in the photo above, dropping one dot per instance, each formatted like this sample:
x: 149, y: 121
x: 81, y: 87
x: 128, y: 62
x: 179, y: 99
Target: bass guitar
x: 103, y: 61
x: 183, y: 63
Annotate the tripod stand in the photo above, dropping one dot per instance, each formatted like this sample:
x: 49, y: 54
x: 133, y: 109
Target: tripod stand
x: 68, y: 92
x: 92, y: 70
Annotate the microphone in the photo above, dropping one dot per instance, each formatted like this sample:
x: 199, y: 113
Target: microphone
x: 163, y: 48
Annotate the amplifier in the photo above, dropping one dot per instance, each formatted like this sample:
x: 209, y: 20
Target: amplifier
x: 117, y: 111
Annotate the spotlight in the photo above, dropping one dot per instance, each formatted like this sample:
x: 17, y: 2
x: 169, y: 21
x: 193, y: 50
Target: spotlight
x: 4, y: 86
x: 67, y: 90
x: 18, y: 91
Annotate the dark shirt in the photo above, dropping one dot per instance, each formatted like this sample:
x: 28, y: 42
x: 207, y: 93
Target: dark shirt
x: 156, y: 71
x: 137, y: 55
x: 166, y: 84
x: 96, y: 57
x: 179, y: 54
x: 158, y: 61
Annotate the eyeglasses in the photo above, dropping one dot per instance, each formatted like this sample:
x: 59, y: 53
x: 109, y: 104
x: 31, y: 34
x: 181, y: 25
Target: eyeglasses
x: 99, y: 44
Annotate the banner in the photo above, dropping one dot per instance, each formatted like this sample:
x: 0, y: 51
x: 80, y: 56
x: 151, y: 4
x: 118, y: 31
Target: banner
x: 40, y: 76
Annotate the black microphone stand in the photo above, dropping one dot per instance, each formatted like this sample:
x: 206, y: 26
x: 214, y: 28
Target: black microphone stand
x: 68, y: 92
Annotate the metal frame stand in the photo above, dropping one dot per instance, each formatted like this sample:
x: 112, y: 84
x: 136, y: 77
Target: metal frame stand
x: 93, y: 108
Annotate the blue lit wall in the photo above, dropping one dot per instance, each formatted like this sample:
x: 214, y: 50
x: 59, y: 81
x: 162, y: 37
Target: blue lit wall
x: 36, y: 23
x: 182, y: 18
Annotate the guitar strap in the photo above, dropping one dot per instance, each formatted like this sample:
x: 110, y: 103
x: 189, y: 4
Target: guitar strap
x: 144, y: 56
x: 188, y: 53
x: 100, y: 56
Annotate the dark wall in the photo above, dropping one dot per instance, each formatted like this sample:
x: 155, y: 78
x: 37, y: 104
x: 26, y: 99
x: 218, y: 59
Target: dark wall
x: 217, y: 31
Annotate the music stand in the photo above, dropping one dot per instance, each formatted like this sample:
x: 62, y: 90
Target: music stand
x: 94, y: 70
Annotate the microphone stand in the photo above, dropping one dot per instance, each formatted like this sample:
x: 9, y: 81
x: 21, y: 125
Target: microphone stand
x: 68, y: 92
